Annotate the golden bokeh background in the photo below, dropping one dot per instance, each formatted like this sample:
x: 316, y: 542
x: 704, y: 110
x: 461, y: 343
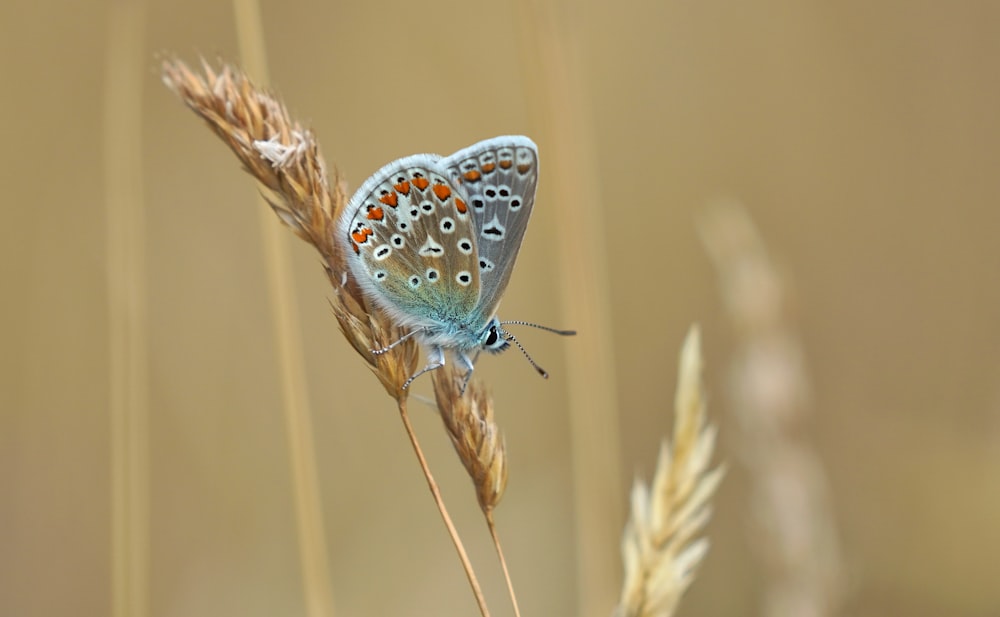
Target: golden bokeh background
x: 862, y: 138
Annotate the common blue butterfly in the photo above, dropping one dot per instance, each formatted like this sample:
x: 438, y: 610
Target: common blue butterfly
x: 432, y: 241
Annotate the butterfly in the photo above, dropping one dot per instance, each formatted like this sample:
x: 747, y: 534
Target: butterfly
x: 432, y: 242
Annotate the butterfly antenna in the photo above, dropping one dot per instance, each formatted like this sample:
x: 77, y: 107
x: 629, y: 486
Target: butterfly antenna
x: 541, y: 371
x: 534, y: 325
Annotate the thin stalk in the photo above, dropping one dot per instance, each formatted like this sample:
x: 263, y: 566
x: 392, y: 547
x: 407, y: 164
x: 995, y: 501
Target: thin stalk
x: 556, y: 79
x: 503, y: 562
x: 127, y: 347
x: 436, y: 492
x: 288, y: 338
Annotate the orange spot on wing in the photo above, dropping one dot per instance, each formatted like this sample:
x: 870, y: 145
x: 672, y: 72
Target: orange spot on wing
x: 523, y: 168
x: 488, y: 167
x: 403, y: 187
x: 460, y: 206
x: 361, y: 236
x: 506, y: 163
x: 472, y: 175
x: 389, y: 199
x: 442, y: 191
x: 376, y: 214
x: 421, y: 183
x: 357, y: 251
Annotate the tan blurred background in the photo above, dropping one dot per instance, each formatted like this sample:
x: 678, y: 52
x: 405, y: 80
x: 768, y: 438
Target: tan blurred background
x: 862, y: 137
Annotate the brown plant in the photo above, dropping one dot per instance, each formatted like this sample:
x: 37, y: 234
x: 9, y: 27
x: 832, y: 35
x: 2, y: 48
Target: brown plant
x: 286, y: 161
x: 468, y: 419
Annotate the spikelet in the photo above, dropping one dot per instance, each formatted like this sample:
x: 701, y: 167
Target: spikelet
x: 660, y: 547
x: 468, y: 419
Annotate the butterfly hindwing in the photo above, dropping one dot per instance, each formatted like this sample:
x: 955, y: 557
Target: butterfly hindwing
x: 499, y: 175
x: 413, y: 244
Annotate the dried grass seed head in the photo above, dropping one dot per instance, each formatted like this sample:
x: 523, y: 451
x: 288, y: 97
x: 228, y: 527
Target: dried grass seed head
x: 286, y: 160
x: 468, y: 419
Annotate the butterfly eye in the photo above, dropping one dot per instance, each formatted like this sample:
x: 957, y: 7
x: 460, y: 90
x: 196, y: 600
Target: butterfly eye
x: 496, y: 340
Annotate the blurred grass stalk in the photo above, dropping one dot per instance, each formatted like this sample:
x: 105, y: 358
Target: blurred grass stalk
x: 127, y: 347
x: 796, y: 539
x: 288, y: 340
x: 556, y: 77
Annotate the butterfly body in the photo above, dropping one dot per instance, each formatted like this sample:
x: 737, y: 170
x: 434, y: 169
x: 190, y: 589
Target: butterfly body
x: 432, y: 241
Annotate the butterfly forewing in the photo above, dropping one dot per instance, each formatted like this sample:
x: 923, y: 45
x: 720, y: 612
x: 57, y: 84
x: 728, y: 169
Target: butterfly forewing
x: 499, y: 176
x: 413, y: 244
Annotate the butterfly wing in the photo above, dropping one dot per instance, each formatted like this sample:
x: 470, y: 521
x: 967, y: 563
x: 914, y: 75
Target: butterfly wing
x: 499, y: 175
x: 412, y: 243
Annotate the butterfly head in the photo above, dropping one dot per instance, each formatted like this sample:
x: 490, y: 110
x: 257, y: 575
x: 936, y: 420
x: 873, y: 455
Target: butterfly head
x: 493, y: 338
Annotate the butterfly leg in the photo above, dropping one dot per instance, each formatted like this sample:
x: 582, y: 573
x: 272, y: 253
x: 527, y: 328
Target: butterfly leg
x: 469, y: 365
x: 435, y: 360
x: 389, y: 347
